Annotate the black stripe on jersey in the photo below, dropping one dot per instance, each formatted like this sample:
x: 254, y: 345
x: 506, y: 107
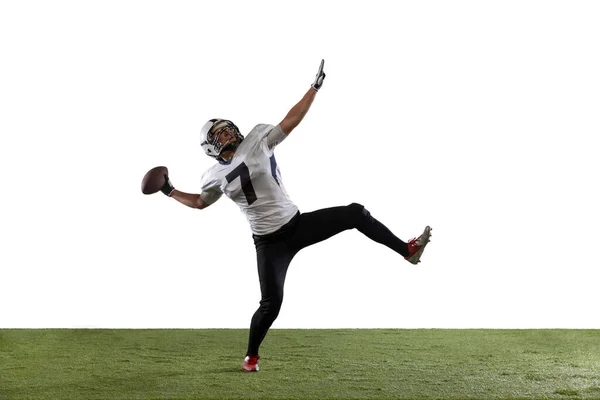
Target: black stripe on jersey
x: 274, y: 168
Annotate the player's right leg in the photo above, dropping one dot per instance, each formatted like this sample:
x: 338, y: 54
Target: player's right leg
x: 273, y: 258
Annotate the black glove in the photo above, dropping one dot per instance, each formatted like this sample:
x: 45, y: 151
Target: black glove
x: 320, y: 77
x: 167, y: 187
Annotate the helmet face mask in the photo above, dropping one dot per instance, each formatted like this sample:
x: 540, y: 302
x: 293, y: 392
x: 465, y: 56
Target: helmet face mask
x: 210, y: 137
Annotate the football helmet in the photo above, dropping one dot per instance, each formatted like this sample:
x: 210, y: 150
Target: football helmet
x: 211, y: 133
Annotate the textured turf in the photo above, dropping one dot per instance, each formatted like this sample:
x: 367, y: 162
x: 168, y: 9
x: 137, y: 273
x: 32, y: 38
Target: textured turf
x: 310, y: 364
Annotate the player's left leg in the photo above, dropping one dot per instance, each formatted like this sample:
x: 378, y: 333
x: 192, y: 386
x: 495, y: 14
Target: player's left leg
x: 316, y: 226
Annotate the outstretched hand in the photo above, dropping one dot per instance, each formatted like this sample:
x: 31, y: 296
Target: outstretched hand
x: 319, y: 78
x: 167, y: 188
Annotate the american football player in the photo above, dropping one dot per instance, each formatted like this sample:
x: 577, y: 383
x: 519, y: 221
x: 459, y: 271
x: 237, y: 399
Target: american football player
x: 247, y: 172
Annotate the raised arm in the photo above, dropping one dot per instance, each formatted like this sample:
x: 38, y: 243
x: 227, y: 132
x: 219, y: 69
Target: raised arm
x: 297, y: 113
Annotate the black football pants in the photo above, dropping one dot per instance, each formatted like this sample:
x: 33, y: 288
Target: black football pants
x: 275, y: 251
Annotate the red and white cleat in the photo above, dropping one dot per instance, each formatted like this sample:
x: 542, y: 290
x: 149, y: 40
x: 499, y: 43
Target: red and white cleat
x: 417, y: 245
x: 250, y: 364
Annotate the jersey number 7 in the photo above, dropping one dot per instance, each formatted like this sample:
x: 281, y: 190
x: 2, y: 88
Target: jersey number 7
x: 244, y: 174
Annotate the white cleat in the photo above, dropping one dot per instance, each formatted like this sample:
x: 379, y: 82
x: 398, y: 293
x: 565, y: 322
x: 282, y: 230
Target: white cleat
x: 417, y: 245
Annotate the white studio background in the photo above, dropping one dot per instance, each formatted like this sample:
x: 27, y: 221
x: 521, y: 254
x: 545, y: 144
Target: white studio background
x: 478, y: 118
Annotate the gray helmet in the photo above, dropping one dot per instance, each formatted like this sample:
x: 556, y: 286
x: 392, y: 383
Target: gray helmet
x: 210, y: 133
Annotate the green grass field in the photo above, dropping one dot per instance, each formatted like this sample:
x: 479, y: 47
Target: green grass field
x: 307, y: 364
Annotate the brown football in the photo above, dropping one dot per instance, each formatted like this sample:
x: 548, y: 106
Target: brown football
x: 154, y: 180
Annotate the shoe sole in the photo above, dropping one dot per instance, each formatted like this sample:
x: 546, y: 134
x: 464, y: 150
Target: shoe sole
x: 416, y: 258
x: 250, y: 369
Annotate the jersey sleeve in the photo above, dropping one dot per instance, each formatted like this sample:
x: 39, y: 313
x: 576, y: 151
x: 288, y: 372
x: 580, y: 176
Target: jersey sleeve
x: 211, y: 190
x: 273, y: 137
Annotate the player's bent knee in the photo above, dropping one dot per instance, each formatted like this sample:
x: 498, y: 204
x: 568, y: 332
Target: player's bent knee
x: 356, y: 208
x: 271, y: 306
x: 359, y: 212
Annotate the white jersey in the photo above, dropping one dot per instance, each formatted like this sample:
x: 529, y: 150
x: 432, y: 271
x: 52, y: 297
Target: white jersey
x: 253, y: 181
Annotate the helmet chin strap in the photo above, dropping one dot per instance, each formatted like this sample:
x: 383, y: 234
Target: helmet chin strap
x: 228, y: 147
x: 231, y: 146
